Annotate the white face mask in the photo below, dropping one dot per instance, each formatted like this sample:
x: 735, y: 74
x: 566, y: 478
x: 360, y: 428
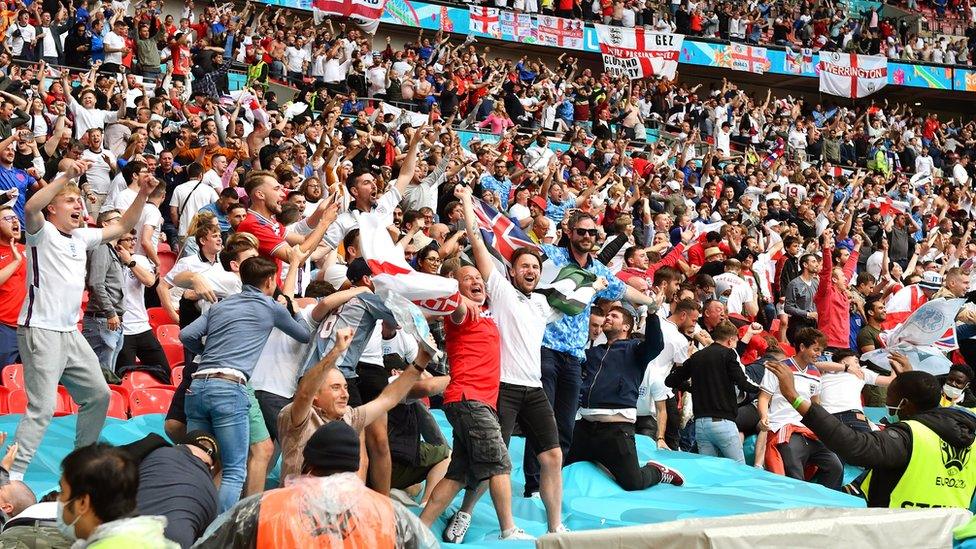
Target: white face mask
x: 68, y: 530
x: 954, y: 393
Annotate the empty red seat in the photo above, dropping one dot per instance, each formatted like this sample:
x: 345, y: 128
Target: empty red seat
x: 151, y: 400
x: 177, y: 375
x: 158, y: 317
x: 163, y: 247
x: 13, y: 376
x: 168, y: 333
x: 174, y: 353
x: 4, y: 395
x: 17, y: 401
x: 139, y: 380
x: 66, y: 404
x: 118, y: 404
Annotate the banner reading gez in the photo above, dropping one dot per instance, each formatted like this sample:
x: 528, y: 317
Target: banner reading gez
x: 636, y: 53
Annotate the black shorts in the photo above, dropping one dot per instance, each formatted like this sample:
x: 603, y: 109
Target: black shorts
x: 479, y: 452
x: 531, y: 409
x: 372, y: 380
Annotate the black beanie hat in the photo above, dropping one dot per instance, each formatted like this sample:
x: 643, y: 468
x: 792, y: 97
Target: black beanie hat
x: 333, y: 446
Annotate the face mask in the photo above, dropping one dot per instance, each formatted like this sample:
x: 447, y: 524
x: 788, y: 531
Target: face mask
x: 893, y: 412
x: 68, y: 530
x: 954, y: 393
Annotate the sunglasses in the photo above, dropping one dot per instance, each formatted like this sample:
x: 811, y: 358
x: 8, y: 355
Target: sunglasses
x: 587, y: 232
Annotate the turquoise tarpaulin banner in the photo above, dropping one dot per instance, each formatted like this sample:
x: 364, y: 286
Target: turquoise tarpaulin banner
x: 591, y: 499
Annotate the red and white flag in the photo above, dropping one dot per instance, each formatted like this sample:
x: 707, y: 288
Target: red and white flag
x: 852, y: 75
x: 391, y: 272
x: 901, y: 305
x: 560, y: 32
x: 484, y: 21
x: 636, y: 53
x: 519, y: 27
x: 749, y: 58
x: 890, y: 206
x: 364, y: 13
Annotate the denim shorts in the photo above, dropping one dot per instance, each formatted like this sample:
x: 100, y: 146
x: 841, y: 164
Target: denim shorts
x: 479, y: 452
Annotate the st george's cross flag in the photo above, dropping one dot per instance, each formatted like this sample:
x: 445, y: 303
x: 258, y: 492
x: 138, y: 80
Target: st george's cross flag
x: 560, y: 32
x: 637, y: 53
x: 851, y: 74
x: 484, y: 21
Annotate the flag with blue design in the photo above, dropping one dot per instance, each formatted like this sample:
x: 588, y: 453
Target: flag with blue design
x: 568, y: 289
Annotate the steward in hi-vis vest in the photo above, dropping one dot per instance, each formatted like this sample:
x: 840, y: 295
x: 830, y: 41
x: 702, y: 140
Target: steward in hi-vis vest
x: 922, y: 458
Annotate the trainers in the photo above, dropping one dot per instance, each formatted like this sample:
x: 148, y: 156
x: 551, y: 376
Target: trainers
x: 668, y: 475
x: 516, y: 534
x: 457, y: 527
x: 561, y: 529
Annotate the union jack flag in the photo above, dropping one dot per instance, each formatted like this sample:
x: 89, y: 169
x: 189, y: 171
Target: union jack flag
x: 501, y: 234
x: 948, y: 340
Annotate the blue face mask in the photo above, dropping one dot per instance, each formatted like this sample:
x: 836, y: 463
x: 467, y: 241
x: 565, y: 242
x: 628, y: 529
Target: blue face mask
x: 893, y: 411
x: 68, y: 530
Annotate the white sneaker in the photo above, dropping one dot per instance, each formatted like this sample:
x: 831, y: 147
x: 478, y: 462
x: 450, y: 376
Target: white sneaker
x: 516, y: 534
x: 561, y: 529
x: 457, y: 527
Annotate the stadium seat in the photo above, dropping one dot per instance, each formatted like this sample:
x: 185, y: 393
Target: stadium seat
x: 13, y: 376
x: 177, y: 375
x: 118, y: 404
x: 139, y: 380
x: 4, y: 394
x: 152, y: 400
x: 158, y: 317
x: 17, y: 401
x: 166, y: 262
x: 66, y: 404
x: 174, y: 353
x: 168, y: 333
x: 163, y: 247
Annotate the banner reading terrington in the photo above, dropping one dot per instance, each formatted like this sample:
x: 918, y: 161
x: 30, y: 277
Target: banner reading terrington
x: 852, y: 75
x: 636, y: 53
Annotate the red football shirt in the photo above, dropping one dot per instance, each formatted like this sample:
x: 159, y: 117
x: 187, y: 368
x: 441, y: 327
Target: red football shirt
x: 14, y: 290
x: 474, y: 352
x: 270, y: 235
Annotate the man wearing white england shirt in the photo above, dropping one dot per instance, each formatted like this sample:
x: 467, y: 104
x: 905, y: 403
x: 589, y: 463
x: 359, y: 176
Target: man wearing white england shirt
x: 840, y: 388
x: 138, y: 339
x: 649, y: 419
x: 521, y: 317
x: 51, y: 347
x: 103, y: 164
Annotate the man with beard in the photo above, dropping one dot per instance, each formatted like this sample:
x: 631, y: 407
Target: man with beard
x: 363, y: 189
x: 274, y: 240
x: 521, y: 317
x: 478, y: 452
x: 13, y: 283
x: 565, y: 339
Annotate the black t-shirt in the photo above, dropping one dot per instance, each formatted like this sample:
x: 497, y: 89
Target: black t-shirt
x: 177, y: 485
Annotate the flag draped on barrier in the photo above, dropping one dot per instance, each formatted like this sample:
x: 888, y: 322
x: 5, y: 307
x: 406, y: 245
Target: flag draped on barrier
x: 365, y: 13
x: 636, y: 53
x: 851, y: 74
x: 560, y: 32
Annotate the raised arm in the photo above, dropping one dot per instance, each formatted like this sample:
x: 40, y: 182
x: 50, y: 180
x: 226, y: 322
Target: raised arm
x: 409, y: 166
x: 312, y: 380
x: 482, y: 258
x: 34, y: 208
x: 147, y: 182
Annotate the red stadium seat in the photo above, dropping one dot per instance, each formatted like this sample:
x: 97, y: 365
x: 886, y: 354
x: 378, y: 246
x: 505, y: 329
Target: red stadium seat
x: 139, y: 380
x: 4, y: 394
x: 158, y: 317
x: 118, y: 404
x: 177, y: 375
x: 166, y: 262
x: 66, y: 404
x: 17, y: 401
x: 174, y: 353
x: 152, y: 400
x: 168, y: 333
x: 13, y: 376
x: 163, y: 247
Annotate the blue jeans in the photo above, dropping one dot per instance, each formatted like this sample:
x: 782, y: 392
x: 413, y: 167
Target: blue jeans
x: 221, y: 407
x: 9, y: 353
x: 562, y: 379
x: 719, y: 438
x: 106, y: 343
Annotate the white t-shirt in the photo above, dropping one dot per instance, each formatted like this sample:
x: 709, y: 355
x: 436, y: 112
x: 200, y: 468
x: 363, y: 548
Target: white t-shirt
x: 136, y: 319
x: 99, y: 174
x: 675, y: 352
x: 212, y: 179
x: 277, y: 370
x: 651, y: 390
x: 50, y: 46
x: 188, y: 198
x: 841, y: 391
x: 151, y: 217
x: 781, y: 413
x: 521, y: 322
x: 115, y: 42
x: 296, y: 58
x: 56, y: 270
x: 89, y: 118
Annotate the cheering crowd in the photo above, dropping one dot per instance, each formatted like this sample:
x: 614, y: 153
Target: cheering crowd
x: 730, y: 276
